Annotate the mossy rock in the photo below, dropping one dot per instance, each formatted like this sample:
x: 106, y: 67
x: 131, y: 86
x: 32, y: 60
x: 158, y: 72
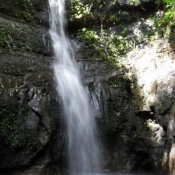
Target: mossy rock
x: 23, y: 9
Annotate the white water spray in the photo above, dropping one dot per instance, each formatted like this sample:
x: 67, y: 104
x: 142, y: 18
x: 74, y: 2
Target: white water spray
x: 83, y: 149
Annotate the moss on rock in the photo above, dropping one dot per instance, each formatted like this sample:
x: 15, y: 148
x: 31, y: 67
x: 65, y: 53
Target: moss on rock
x: 22, y: 9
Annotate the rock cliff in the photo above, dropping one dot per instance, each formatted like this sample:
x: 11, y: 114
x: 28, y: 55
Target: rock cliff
x: 133, y: 98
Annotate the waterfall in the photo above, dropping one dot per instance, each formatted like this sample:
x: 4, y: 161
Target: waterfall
x: 83, y: 147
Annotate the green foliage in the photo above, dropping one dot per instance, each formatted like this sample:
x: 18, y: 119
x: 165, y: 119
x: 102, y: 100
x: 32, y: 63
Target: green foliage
x: 109, y: 46
x: 14, y: 36
x: 171, y: 2
x: 169, y: 16
x: 27, y: 8
x: 165, y: 23
x: 168, y: 19
x: 80, y: 9
x: 116, y: 18
x: 133, y: 2
x: 23, y: 9
x: 6, y: 31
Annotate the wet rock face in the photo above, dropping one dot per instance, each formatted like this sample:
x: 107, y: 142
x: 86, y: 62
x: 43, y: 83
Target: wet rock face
x: 125, y: 136
x: 29, y: 106
x: 136, y: 117
x: 135, y: 113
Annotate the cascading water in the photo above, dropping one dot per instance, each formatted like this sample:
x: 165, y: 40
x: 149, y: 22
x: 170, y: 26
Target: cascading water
x: 83, y: 147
